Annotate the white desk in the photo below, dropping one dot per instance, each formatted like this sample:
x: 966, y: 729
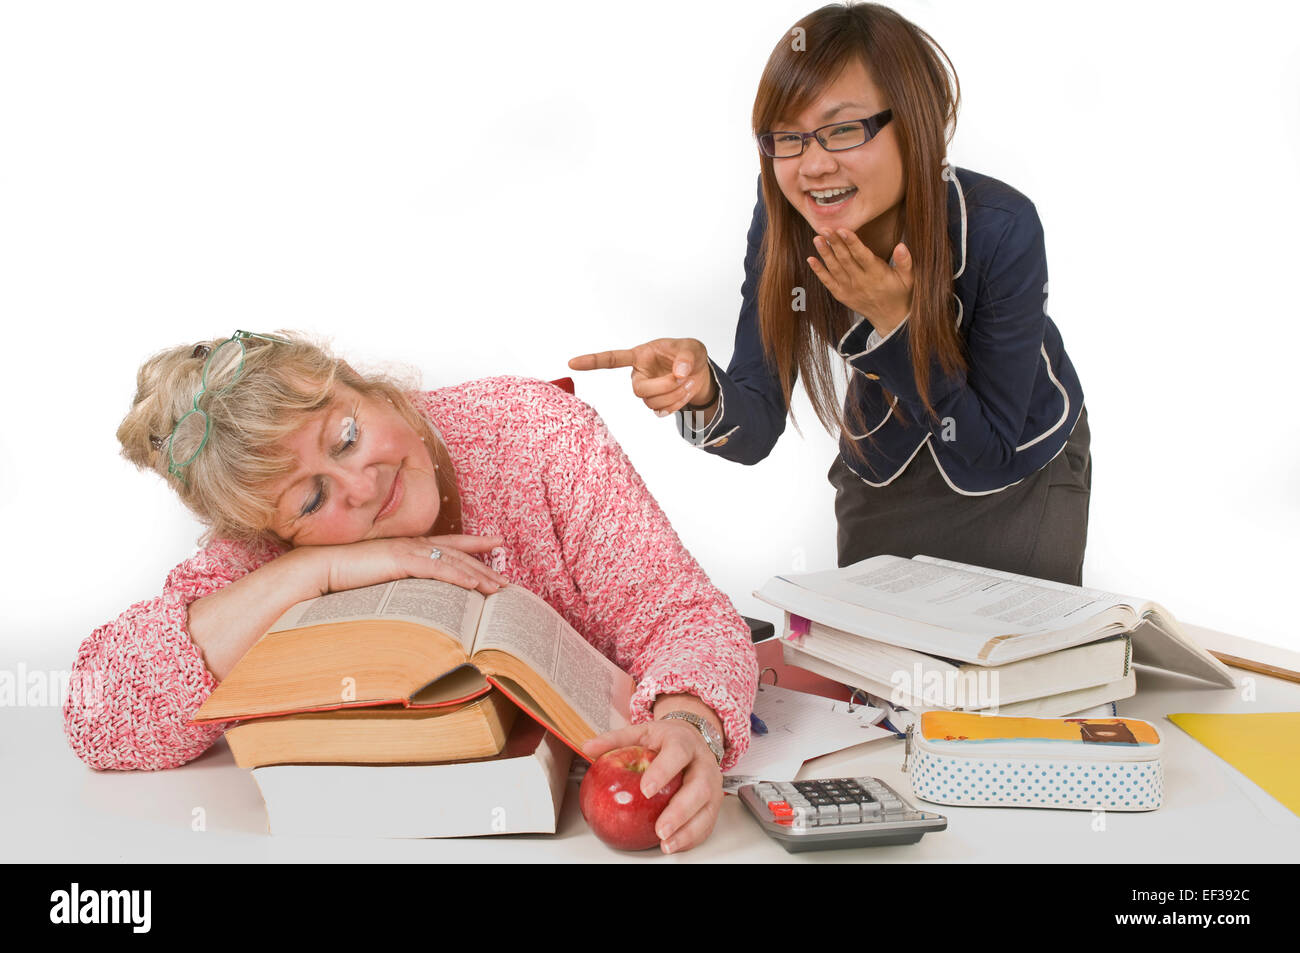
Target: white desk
x: 55, y: 809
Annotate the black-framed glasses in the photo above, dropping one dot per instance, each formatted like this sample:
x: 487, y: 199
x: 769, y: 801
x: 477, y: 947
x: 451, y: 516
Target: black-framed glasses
x: 834, y: 137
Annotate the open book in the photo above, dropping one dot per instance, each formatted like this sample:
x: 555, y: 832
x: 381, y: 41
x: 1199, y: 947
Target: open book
x: 426, y: 643
x: 984, y: 616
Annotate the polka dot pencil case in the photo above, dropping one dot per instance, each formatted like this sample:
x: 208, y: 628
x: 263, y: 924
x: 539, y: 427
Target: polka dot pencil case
x: 968, y: 759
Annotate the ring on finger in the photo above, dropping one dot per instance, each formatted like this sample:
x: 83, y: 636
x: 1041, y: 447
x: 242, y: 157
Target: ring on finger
x: 436, y: 554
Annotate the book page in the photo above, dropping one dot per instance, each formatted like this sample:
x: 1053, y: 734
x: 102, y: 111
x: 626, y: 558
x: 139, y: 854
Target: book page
x: 521, y: 624
x: 955, y: 597
x: 445, y: 606
x: 1101, y: 595
x: 440, y: 605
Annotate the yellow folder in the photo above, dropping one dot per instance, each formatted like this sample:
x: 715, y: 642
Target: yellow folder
x: 1264, y: 746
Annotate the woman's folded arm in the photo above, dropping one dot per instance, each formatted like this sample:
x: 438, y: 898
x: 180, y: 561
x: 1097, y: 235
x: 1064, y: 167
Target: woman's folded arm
x: 139, y: 679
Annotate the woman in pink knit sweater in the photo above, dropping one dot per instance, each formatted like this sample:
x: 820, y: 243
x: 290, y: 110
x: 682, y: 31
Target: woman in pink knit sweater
x: 312, y: 478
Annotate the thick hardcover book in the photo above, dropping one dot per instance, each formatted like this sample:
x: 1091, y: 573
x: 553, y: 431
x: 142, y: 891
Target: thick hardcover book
x: 984, y: 616
x: 424, y: 643
x: 385, y: 734
x: 1058, y: 705
x: 520, y: 791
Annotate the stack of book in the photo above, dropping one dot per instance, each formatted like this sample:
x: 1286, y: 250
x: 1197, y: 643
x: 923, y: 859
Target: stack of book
x: 926, y: 633
x: 393, y: 711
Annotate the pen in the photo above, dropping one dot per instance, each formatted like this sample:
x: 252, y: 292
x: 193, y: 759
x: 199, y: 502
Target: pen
x: 756, y: 724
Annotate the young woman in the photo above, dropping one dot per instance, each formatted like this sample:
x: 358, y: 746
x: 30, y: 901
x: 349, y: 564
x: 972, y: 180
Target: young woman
x: 312, y: 478
x: 963, y: 433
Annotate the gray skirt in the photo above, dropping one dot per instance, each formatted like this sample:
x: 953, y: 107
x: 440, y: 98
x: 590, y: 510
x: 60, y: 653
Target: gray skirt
x: 1038, y: 527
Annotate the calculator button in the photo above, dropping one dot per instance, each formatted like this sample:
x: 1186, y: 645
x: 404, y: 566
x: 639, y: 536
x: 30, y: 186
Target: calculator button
x: 781, y: 809
x: 850, y: 813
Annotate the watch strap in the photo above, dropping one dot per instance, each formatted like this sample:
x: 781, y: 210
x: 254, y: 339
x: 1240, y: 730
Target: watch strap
x: 705, y: 730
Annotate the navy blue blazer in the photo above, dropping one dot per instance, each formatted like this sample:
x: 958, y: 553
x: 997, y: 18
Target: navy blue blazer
x: 1005, y: 417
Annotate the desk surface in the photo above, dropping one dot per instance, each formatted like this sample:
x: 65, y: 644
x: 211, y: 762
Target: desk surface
x: 55, y: 809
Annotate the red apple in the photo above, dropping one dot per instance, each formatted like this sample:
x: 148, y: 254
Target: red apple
x: 611, y: 800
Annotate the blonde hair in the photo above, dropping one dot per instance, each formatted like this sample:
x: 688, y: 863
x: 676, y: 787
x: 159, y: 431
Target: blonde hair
x: 281, y: 384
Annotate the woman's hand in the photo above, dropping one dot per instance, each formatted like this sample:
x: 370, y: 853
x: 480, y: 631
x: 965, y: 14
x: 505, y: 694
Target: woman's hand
x: 373, y: 561
x: 880, y: 292
x: 667, y: 373
x: 226, y: 623
x: 690, y: 815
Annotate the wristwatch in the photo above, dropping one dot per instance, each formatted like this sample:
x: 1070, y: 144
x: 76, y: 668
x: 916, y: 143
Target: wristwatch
x: 710, y: 737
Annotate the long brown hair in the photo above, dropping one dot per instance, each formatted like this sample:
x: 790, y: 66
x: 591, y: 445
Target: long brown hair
x: 909, y: 68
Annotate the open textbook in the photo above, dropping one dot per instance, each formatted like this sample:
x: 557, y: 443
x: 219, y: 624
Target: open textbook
x: 984, y: 616
x: 426, y: 643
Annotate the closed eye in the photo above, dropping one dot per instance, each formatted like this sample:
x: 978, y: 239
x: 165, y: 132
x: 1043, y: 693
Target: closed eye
x: 316, y: 502
x: 349, y: 434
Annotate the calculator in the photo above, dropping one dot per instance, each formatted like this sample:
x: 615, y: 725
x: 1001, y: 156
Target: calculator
x: 836, y: 812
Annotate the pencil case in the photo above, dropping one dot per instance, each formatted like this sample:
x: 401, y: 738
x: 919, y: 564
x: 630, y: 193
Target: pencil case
x: 973, y: 760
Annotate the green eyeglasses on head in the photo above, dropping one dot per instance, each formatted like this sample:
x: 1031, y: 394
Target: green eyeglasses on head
x: 220, y: 371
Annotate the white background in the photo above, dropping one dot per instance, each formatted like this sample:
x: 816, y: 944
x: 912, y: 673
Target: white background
x: 474, y: 191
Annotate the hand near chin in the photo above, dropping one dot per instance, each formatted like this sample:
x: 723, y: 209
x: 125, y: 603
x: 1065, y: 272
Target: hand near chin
x: 861, y: 280
x: 374, y: 561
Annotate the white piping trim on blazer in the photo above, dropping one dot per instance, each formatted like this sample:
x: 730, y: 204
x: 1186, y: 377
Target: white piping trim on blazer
x: 872, y: 347
x: 702, y: 438
x: 883, y: 421
x: 722, y: 437
x: 1064, y: 396
x: 896, y: 472
x: 951, y: 175
x: 956, y: 489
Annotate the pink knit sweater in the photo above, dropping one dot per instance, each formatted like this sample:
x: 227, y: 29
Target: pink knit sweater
x: 535, y: 466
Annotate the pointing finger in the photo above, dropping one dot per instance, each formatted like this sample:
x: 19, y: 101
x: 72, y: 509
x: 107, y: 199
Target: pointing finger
x: 602, y: 360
